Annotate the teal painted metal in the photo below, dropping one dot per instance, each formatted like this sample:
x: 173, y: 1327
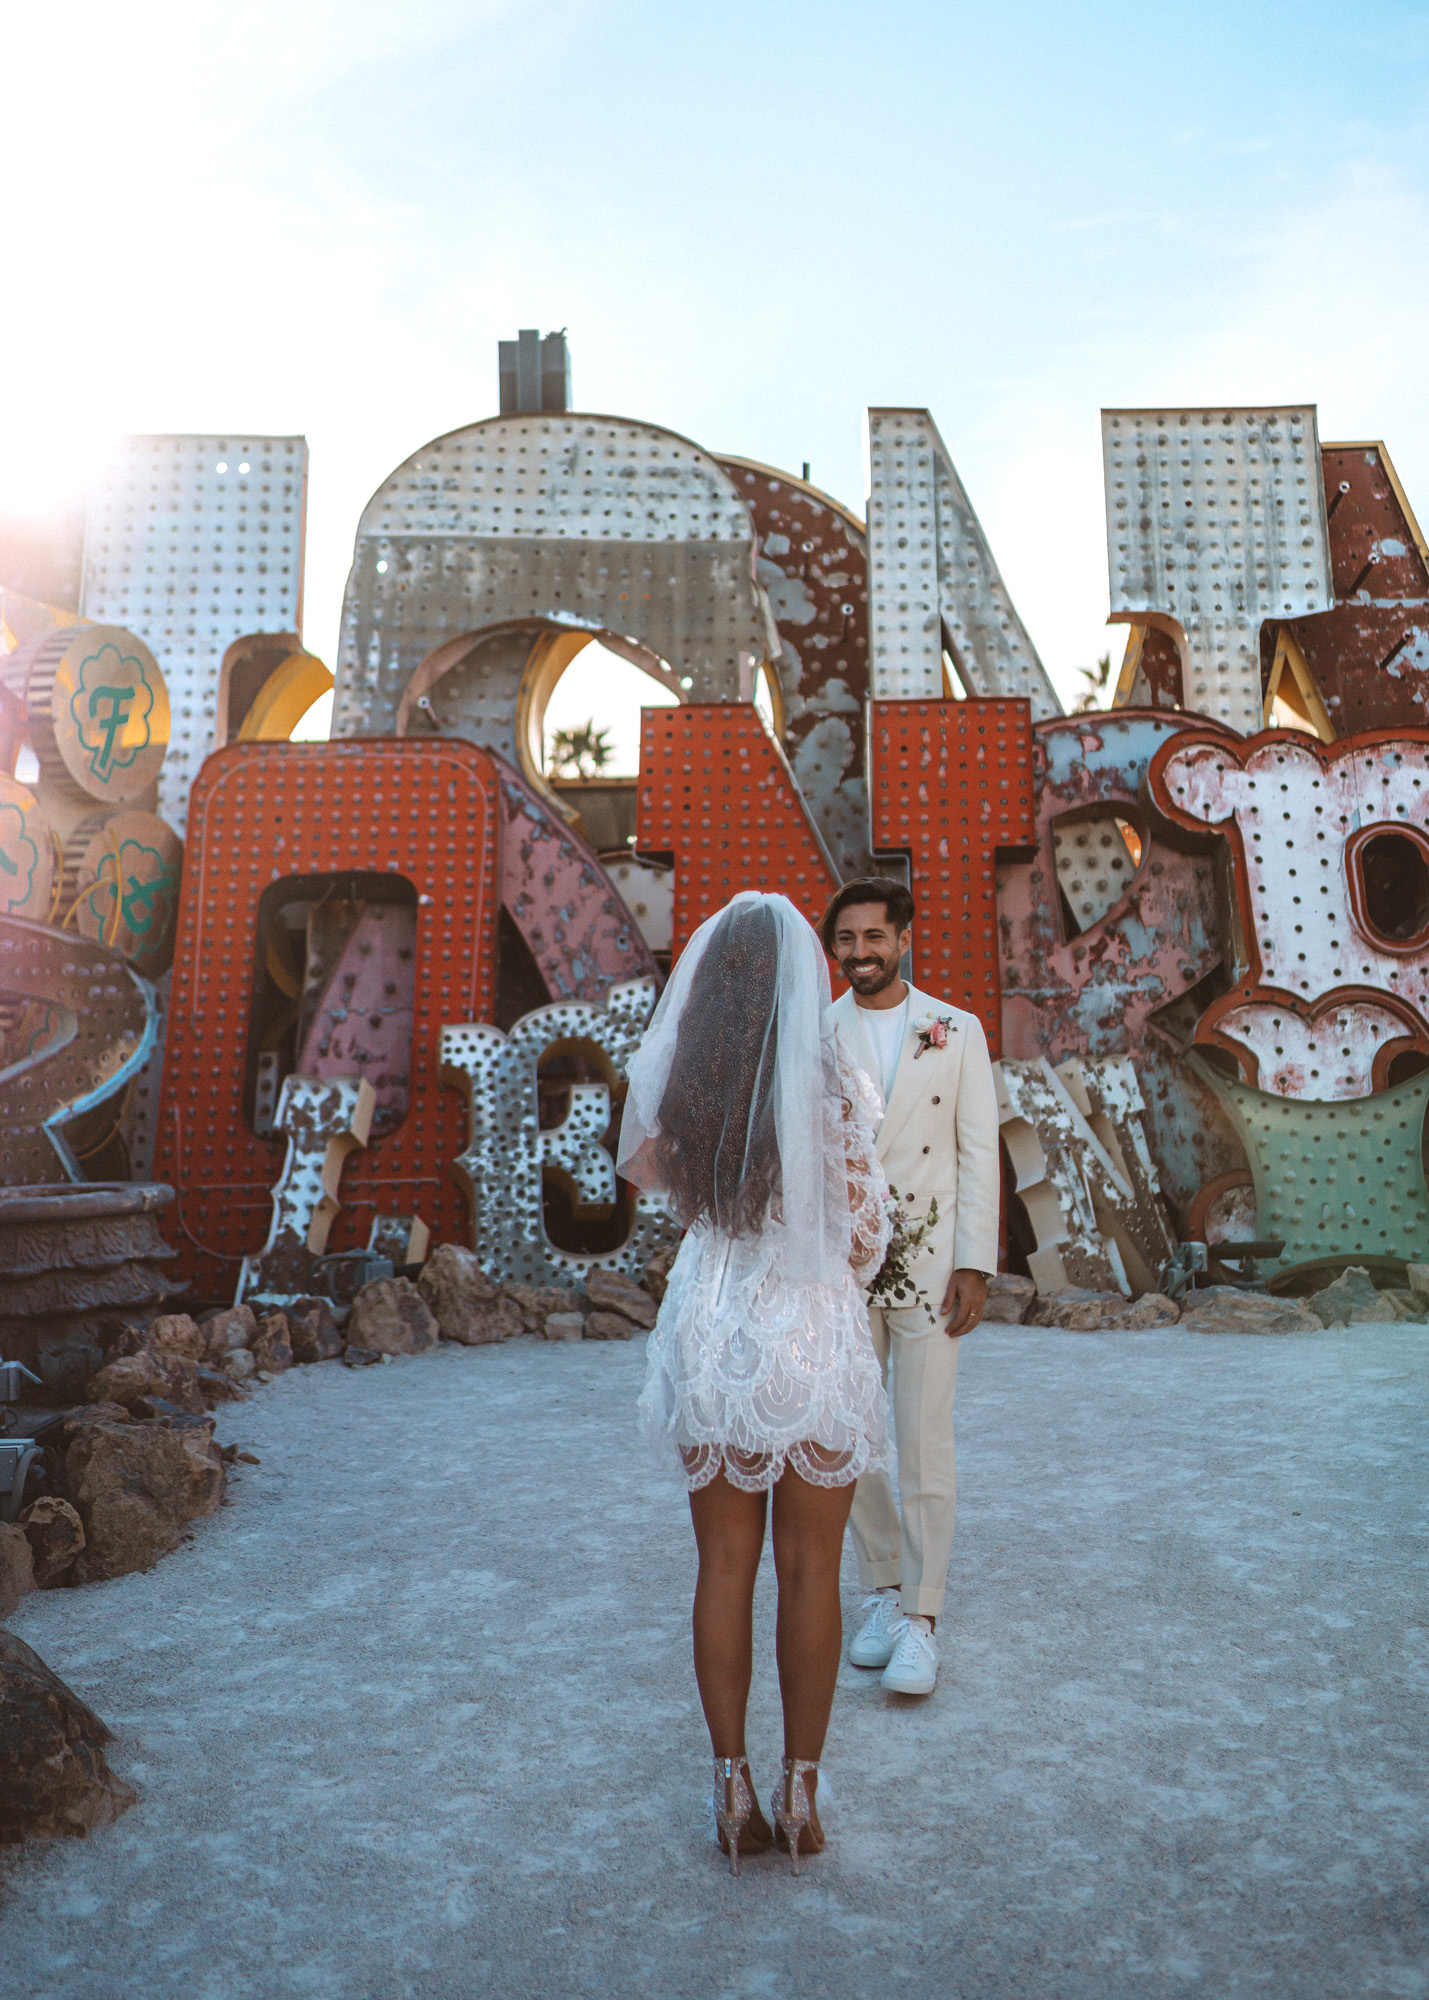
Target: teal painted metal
x: 1339, y: 1180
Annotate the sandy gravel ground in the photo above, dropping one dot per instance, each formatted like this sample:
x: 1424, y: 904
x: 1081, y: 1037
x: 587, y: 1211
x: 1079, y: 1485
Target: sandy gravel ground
x: 414, y: 1716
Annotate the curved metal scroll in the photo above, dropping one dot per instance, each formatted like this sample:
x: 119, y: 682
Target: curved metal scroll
x: 91, y: 1022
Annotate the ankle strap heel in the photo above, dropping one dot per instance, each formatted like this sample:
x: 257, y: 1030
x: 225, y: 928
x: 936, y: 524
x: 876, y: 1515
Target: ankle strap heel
x: 790, y: 1805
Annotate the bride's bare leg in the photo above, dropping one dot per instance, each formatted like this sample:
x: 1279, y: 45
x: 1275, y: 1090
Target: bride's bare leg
x: 809, y: 1523
x: 729, y: 1532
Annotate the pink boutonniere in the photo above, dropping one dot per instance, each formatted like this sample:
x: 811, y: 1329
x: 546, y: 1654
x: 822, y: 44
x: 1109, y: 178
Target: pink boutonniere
x: 933, y: 1032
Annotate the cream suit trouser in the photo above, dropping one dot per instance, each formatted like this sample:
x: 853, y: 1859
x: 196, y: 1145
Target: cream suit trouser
x: 924, y: 1367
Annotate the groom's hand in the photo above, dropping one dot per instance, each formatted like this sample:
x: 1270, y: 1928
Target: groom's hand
x: 964, y: 1302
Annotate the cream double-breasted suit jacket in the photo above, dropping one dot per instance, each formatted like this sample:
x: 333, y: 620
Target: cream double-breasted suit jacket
x: 938, y: 1137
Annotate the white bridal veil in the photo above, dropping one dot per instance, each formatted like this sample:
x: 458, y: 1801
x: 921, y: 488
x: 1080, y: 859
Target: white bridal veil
x: 739, y: 1052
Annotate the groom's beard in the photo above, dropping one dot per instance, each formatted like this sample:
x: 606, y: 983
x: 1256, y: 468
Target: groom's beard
x: 868, y: 974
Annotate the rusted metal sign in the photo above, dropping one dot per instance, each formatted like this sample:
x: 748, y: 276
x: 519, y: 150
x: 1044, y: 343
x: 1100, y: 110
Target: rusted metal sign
x: 1330, y: 846
x: 194, y: 542
x: 305, y: 819
x: 934, y: 585
x: 1215, y: 522
x: 510, y: 1154
x: 952, y: 790
x: 596, y: 523
x: 813, y: 566
x: 78, y: 1025
x: 324, y: 1121
x: 1126, y: 963
x: 718, y: 799
x: 1368, y: 655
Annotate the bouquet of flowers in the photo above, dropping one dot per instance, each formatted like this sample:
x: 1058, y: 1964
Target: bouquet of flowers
x: 895, y: 1284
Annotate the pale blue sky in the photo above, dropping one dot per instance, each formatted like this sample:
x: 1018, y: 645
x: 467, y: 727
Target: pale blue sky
x: 754, y: 221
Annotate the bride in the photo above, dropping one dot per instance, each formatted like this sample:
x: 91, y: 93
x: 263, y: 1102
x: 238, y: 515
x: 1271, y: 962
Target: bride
x: 761, y: 1374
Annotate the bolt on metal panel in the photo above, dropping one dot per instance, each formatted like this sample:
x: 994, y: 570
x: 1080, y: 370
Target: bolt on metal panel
x: 813, y: 565
x: 265, y: 812
x: 1302, y: 820
x: 191, y: 558
x: 717, y: 797
x: 952, y: 787
x: 1216, y: 521
x: 1334, y: 1181
x: 88, y: 1023
x: 324, y: 1120
x: 508, y: 1151
x: 1341, y: 1050
x: 594, y: 522
x: 1368, y: 655
x: 583, y: 937
x: 1120, y: 983
x: 933, y: 577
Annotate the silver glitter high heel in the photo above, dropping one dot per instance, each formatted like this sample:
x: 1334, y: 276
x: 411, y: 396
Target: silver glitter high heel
x: 733, y: 1803
x: 791, y: 1808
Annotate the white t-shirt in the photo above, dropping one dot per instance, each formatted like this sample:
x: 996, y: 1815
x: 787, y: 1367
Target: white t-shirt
x: 885, y: 1027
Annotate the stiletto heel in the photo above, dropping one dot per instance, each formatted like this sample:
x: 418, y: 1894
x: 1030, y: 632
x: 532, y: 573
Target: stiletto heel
x: 733, y: 1803
x: 791, y: 1808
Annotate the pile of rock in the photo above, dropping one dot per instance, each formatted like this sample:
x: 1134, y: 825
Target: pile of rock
x: 454, y: 1299
x: 1351, y: 1300
x: 129, y: 1488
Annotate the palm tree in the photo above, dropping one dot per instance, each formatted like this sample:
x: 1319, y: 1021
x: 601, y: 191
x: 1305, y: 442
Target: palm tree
x: 581, y: 752
x: 1097, y: 679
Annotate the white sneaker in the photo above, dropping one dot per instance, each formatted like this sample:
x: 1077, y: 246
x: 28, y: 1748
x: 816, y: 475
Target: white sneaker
x: 875, y: 1639
x: 913, y: 1668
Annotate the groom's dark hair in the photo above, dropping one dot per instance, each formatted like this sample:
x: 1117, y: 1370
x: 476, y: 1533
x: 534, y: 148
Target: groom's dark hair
x: 895, y: 898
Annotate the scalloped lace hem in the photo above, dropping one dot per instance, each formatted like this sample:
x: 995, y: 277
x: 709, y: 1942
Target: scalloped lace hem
x: 760, y: 1471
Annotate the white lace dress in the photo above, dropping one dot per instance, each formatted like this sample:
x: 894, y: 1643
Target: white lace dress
x: 749, y: 1373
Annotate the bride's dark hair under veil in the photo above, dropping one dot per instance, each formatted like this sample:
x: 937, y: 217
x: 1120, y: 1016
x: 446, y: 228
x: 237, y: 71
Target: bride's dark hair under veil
x: 734, y: 1113
x: 718, y: 1150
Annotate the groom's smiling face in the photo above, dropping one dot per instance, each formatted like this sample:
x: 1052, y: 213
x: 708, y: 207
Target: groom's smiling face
x: 867, y: 948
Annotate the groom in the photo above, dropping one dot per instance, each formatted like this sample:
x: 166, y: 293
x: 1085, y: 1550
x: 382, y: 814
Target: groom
x: 938, y: 1141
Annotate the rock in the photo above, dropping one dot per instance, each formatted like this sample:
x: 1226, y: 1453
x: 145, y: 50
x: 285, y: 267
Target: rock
x: 1223, y: 1309
x: 53, y: 1775
x: 361, y: 1357
x: 1076, y: 1310
x: 56, y: 1536
x: 272, y: 1349
x: 101, y: 1413
x: 1352, y: 1300
x: 17, y: 1566
x: 312, y: 1331
x: 565, y: 1326
x: 238, y: 1365
x: 147, y: 1374
x: 223, y: 1331
x: 141, y: 1374
x: 175, y: 1333
x: 1139, y: 1315
x: 1410, y: 1305
x: 608, y: 1326
x: 609, y: 1291
x: 538, y: 1302
x: 390, y: 1316
x: 1009, y: 1299
x: 468, y: 1306
x: 136, y: 1487
x: 1416, y: 1276
x: 656, y: 1275
x: 215, y: 1387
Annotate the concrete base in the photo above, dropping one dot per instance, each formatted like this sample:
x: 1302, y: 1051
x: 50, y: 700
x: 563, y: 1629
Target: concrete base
x: 415, y: 1715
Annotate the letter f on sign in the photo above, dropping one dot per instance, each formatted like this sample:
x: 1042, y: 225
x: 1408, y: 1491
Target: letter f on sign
x: 118, y: 699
